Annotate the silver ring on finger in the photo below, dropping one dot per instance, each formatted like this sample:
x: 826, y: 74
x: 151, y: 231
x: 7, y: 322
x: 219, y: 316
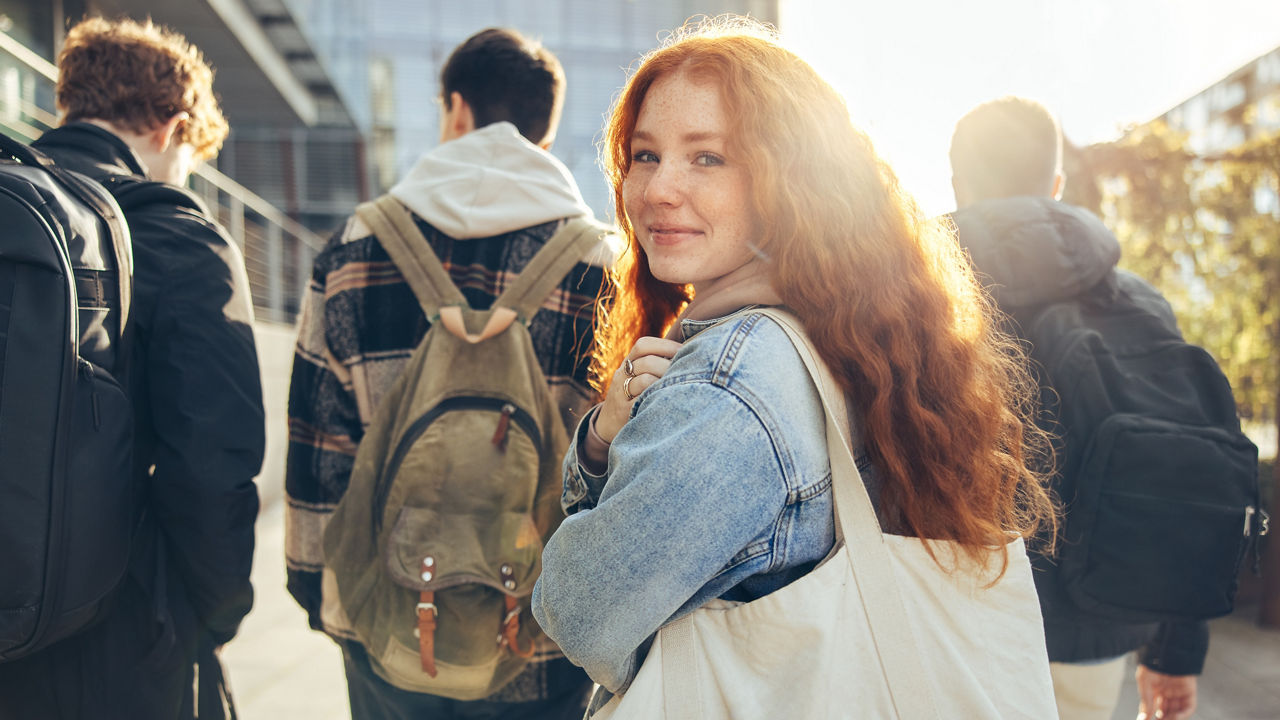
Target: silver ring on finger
x: 629, y: 368
x: 626, y: 388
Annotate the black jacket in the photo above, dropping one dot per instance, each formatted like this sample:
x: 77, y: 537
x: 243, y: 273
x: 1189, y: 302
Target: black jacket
x: 1032, y: 251
x: 197, y: 394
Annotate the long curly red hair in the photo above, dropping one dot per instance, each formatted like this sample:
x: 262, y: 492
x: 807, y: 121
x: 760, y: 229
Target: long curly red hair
x: 887, y: 296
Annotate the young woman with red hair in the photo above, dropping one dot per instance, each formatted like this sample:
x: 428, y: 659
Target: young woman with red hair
x: 739, y: 182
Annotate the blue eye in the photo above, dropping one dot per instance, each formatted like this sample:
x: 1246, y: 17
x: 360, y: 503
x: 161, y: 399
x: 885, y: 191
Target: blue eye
x: 644, y: 156
x: 707, y: 159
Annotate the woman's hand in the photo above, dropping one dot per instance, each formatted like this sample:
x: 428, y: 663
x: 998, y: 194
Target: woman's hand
x: 647, y: 361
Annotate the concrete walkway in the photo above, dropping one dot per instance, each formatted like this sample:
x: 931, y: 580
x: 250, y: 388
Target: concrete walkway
x: 1241, y: 679
x: 281, y: 670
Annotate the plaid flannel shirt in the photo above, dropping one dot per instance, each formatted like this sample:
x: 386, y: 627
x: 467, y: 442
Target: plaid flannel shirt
x: 359, y: 324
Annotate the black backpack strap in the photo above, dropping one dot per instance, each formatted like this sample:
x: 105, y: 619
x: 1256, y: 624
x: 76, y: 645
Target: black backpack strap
x: 134, y: 194
x: 396, y: 231
x: 121, y: 243
x: 24, y: 153
x: 90, y: 193
x: 568, y: 247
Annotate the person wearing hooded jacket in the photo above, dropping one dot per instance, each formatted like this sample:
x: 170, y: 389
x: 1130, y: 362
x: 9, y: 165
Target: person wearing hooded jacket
x: 487, y: 199
x: 1031, y: 249
x: 138, y: 113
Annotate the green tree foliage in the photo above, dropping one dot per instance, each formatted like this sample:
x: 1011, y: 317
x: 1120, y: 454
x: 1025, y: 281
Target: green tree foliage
x: 1206, y: 232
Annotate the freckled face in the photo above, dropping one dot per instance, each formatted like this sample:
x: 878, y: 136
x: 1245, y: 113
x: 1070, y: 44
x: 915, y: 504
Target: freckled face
x: 686, y: 195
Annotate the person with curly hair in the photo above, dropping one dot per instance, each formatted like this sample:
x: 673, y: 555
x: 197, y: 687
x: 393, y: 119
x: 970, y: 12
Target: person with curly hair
x: 138, y: 111
x: 142, y: 82
x: 740, y: 183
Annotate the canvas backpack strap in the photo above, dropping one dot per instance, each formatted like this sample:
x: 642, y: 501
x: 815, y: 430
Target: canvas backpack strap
x: 523, y: 297
x: 509, y: 634
x: 427, y: 630
x: 398, y: 233
x: 547, y: 269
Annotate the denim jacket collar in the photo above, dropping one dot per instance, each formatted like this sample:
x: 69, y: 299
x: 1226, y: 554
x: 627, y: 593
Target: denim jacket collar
x: 689, y: 328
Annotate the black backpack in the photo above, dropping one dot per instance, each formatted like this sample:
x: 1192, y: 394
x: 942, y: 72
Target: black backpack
x: 68, y: 502
x: 1160, y: 486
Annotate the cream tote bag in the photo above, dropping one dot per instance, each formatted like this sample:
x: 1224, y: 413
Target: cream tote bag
x: 877, y: 630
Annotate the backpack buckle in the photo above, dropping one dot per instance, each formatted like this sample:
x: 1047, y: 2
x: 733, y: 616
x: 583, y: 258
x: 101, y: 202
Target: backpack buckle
x: 510, y: 630
x: 512, y: 614
x: 1256, y: 518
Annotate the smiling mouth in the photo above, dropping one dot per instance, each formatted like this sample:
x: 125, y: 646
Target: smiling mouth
x: 671, y: 235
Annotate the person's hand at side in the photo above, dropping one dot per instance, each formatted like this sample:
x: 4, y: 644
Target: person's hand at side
x: 645, y: 364
x: 1165, y: 697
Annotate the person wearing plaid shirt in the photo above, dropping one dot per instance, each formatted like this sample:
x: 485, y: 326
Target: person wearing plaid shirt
x: 487, y: 199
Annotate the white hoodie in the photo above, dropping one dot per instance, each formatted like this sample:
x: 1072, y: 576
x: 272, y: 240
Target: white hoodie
x: 488, y: 182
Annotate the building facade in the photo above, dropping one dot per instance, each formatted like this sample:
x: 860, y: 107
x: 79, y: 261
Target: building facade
x: 331, y: 101
x: 266, y: 77
x: 385, y: 57
x: 1238, y: 108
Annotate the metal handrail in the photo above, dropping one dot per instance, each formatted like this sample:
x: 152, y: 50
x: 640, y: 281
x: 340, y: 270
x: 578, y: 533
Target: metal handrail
x: 268, y: 211
x: 28, y: 56
x: 209, y: 174
x: 277, y: 248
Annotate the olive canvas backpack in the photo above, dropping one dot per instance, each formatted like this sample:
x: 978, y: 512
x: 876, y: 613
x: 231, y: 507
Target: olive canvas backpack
x: 435, y: 546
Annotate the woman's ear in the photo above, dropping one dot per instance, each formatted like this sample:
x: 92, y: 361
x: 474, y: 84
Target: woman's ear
x: 163, y: 136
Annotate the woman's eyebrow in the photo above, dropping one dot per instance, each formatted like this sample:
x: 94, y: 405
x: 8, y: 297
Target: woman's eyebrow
x: 698, y: 136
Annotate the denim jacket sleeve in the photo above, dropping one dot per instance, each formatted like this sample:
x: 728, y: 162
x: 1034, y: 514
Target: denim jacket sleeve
x: 582, y: 488
x: 666, y: 519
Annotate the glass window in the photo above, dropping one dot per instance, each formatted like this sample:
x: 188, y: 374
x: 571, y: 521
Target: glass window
x: 592, y: 24
x: 458, y: 21
x: 541, y: 21
x: 396, y: 18
x: 1269, y: 69
x: 382, y: 90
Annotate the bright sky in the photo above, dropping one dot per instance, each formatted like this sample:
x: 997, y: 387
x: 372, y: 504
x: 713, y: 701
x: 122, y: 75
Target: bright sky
x: 911, y: 68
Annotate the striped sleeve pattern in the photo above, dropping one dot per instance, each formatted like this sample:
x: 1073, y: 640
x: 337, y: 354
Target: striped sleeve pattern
x: 360, y: 322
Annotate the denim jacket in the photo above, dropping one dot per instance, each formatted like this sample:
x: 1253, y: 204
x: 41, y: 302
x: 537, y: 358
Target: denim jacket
x: 718, y: 486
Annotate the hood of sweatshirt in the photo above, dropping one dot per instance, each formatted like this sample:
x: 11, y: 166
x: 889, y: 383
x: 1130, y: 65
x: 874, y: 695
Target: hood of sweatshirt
x: 1031, y: 250
x: 489, y: 182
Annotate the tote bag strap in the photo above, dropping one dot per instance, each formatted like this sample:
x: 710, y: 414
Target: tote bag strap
x: 869, y: 558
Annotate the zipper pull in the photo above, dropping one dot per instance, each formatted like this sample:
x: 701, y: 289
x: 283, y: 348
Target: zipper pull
x: 504, y: 422
x: 87, y: 370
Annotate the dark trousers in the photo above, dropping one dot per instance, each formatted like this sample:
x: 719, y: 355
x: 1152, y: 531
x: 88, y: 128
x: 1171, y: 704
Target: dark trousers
x: 132, y: 665
x: 373, y: 698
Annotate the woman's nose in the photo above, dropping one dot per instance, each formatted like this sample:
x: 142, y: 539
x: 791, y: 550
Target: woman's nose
x: 665, y: 186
